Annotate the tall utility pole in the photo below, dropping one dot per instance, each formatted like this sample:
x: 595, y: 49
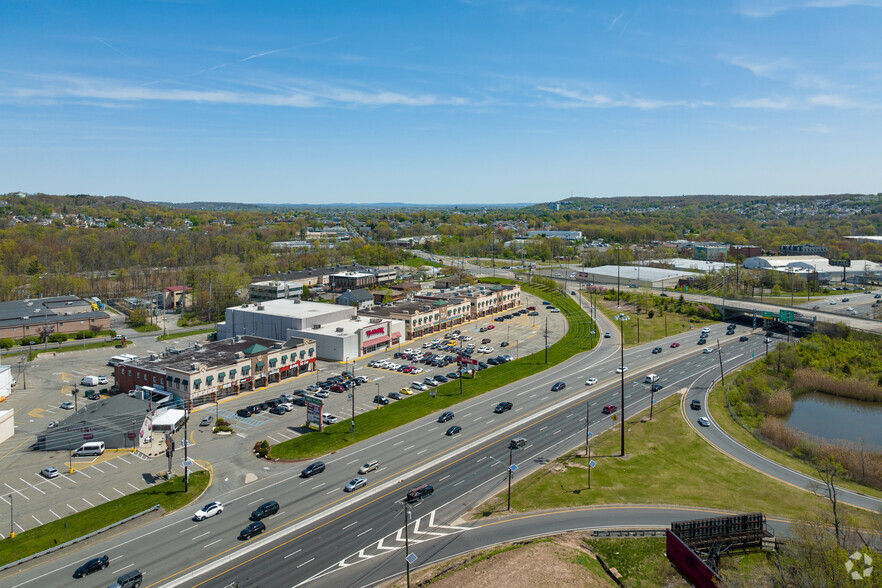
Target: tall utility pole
x: 720, y: 354
x: 622, y: 364
x: 546, y: 340
x: 618, y: 276
x: 407, y: 542
x: 459, y: 366
x: 186, y: 443
x: 352, y: 427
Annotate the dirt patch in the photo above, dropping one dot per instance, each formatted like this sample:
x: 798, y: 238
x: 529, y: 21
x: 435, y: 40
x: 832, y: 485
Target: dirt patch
x: 550, y: 563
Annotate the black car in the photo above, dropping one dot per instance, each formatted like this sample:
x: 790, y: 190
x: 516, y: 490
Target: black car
x: 702, y: 341
x: 264, y: 510
x: 382, y: 400
x: 93, y: 565
x: 255, y: 528
x: 493, y: 361
x: 277, y: 410
x: 264, y: 406
x: 656, y: 387
x: 656, y: 349
x: 455, y: 429
x: 272, y: 403
x: 442, y: 379
x: 256, y: 409
x: 482, y: 365
x: 244, y: 412
x: 558, y: 386
x: 205, y: 421
x: 313, y: 469
x: 502, y: 407
x: 695, y: 405
x: 93, y: 396
x: 504, y: 344
x: 445, y: 416
x: 743, y: 338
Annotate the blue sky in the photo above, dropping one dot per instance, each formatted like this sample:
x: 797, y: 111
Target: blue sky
x: 475, y: 101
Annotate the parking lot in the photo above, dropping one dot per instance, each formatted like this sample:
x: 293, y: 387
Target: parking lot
x: 50, y: 380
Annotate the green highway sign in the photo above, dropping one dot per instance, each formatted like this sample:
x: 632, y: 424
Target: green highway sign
x: 786, y: 316
x: 768, y: 314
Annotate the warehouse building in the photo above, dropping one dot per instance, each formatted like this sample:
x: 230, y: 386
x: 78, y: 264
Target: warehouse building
x: 119, y: 421
x: 628, y: 275
x: 41, y: 317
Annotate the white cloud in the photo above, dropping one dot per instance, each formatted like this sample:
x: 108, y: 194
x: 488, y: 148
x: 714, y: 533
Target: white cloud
x: 818, y: 128
x: 596, y: 100
x: 834, y: 101
x: 764, y: 103
x: 766, y: 8
x: 767, y: 69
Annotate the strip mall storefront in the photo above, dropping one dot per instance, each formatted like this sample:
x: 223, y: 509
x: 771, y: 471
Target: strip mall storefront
x: 378, y: 337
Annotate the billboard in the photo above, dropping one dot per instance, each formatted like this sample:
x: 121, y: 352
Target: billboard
x: 840, y: 262
x: 688, y: 562
x: 313, y: 411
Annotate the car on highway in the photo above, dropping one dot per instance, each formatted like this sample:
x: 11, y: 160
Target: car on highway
x: 381, y: 400
x: 558, y: 386
x: 704, y: 422
x: 517, y: 443
x: 255, y: 528
x: 49, y: 472
x: 590, y: 381
x: 621, y: 369
x: 708, y: 350
x: 445, y: 416
x: 877, y: 295
x: 454, y: 430
x: 656, y: 350
x: 313, y: 469
x: 502, y: 407
x: 419, y: 493
x: 93, y: 565
x: 816, y: 307
x: 607, y: 335
x: 655, y: 387
x: 702, y: 341
x: 264, y: 510
x: 67, y: 405
x: 767, y: 340
x: 609, y: 409
x: 674, y: 345
x: 244, y: 413
x: 355, y: 484
x: 369, y: 467
x: 329, y: 419
x: 206, y: 421
x: 209, y: 510
x: 695, y: 405
x: 743, y: 338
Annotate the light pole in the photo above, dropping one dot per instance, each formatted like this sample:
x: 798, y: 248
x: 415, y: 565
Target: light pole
x: 407, y: 542
x: 11, y: 519
x: 622, y: 367
x: 618, y: 276
x: 510, y: 452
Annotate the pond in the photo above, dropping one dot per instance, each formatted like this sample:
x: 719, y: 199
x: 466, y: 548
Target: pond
x: 832, y: 417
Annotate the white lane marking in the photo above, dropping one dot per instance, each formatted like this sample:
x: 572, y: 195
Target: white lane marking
x: 187, y: 529
x: 352, y: 462
x: 306, y: 562
x: 319, y: 486
x: 254, y: 501
x: 482, y: 459
x: 212, y: 543
x: 408, y: 448
x: 199, y: 536
x: 556, y: 432
x: 542, y: 429
x: 444, y: 478
x: 292, y: 553
x: 421, y: 451
x: 398, y: 443
x: 97, y: 468
x: 349, y: 525
x: 331, y: 491
x: 460, y: 482
x: 363, y: 532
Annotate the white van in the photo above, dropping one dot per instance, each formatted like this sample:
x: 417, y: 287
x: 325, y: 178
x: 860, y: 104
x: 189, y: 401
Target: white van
x: 90, y: 448
x: 650, y: 379
x: 89, y: 381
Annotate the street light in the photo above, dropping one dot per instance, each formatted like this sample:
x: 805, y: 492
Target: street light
x: 622, y: 364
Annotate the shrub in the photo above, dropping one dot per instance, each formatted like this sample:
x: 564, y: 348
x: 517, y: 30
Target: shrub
x: 28, y: 340
x: 7, y: 343
x: 57, y: 337
x: 84, y: 335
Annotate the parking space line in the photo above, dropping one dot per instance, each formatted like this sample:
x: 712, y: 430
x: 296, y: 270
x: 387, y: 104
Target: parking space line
x: 133, y: 486
x: 273, y: 438
x: 99, y: 469
x: 84, y: 473
x: 38, y: 521
x: 87, y: 502
x: 20, y: 528
x: 49, y: 481
x: 120, y: 493
x: 16, y: 491
x: 72, y: 508
x: 67, y: 477
x: 110, y: 463
x: 122, y: 459
x: 102, y: 496
x: 32, y: 486
x: 53, y: 512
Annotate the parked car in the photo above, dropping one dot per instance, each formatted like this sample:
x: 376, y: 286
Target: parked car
x: 355, y: 484
x: 49, y: 472
x: 313, y: 469
x: 395, y: 396
x: 93, y: 565
x: 557, y: 386
x: 244, y: 413
x: 206, y: 421
x: 454, y: 430
x: 52, y: 424
x: 445, y: 416
x: 278, y: 410
x: 209, y: 510
x: 502, y: 407
x: 329, y: 419
x: 255, y: 528
x: 381, y: 400
x: 609, y: 409
x: 93, y: 396
x: 67, y: 405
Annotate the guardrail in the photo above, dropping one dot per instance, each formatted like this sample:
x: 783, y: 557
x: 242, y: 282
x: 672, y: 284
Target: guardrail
x: 77, y: 540
x: 628, y: 533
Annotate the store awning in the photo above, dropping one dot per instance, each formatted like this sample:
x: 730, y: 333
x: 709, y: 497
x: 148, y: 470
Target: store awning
x: 209, y: 379
x: 396, y: 335
x: 177, y: 380
x: 197, y: 381
x: 260, y: 364
x: 376, y: 341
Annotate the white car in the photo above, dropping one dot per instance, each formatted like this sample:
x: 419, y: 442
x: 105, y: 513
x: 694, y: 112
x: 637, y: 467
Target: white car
x: 704, y: 422
x: 67, y: 405
x: 209, y: 510
x: 49, y: 472
x: 708, y: 350
x: 322, y: 394
x: 621, y: 369
x: 591, y: 381
x: 287, y: 406
x: 329, y: 419
x: 488, y: 349
x: 466, y: 338
x: 482, y: 349
x: 417, y: 370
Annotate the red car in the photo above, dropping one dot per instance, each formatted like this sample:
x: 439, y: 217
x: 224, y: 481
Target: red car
x: 408, y: 369
x: 610, y: 408
x: 337, y: 388
x: 675, y: 344
x: 531, y: 308
x: 490, y: 327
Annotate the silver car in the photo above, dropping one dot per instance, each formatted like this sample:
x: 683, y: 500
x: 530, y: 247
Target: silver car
x: 49, y: 472
x: 355, y: 484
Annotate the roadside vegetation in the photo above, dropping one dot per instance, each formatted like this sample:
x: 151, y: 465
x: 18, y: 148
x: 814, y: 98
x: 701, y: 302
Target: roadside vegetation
x: 180, y: 334
x: 168, y: 495
x: 837, y: 362
x: 576, y: 340
x: 651, y: 317
x: 667, y: 463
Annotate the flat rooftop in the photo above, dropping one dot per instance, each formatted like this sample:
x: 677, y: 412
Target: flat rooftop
x: 214, y: 354
x: 291, y: 309
x: 630, y: 272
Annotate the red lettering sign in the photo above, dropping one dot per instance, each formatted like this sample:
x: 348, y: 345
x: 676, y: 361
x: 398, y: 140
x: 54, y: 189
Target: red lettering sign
x: 372, y: 332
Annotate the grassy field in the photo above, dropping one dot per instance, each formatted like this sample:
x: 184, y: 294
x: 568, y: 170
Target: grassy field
x: 147, y: 328
x: 666, y: 463
x: 576, y: 340
x: 168, y: 495
x: 186, y: 334
x: 651, y: 329
x: 717, y: 408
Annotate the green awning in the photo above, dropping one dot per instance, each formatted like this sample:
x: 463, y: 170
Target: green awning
x: 168, y: 377
x: 197, y: 381
x: 273, y: 361
x: 209, y: 379
x: 220, y: 377
x: 284, y: 359
x: 177, y: 380
x: 233, y: 372
x: 245, y: 370
x: 260, y: 364
x: 183, y: 382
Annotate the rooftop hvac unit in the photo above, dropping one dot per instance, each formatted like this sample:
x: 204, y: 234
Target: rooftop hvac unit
x: 153, y: 357
x: 376, y: 320
x: 260, y: 307
x: 339, y: 329
x: 316, y: 327
x: 239, y: 355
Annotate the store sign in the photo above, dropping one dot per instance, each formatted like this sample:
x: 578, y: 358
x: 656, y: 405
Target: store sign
x: 377, y: 331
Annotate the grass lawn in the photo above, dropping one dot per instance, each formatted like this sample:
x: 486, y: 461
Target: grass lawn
x: 667, y: 463
x: 64, y: 349
x: 641, y: 561
x: 186, y: 334
x: 653, y: 328
x: 717, y: 408
x: 147, y: 328
x: 368, y: 424
x: 168, y: 495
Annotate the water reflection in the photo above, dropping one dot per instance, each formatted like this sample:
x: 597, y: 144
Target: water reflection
x: 832, y: 417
